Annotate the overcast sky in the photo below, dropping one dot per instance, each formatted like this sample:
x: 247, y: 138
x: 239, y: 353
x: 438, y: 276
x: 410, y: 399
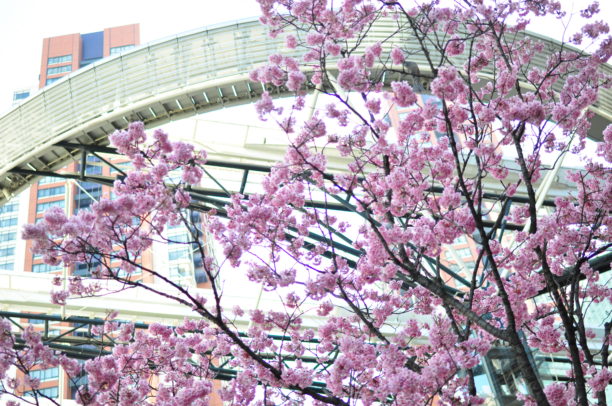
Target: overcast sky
x: 24, y: 23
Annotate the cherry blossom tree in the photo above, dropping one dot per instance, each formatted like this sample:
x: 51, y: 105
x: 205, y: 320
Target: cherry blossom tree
x: 400, y: 326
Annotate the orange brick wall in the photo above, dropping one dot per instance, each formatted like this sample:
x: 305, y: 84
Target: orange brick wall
x: 59, y: 46
x: 120, y: 36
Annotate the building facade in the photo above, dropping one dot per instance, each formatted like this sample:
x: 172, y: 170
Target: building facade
x: 62, y: 55
x: 66, y: 53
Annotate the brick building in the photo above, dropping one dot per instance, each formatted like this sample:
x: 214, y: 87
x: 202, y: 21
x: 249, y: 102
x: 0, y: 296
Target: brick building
x: 66, y: 53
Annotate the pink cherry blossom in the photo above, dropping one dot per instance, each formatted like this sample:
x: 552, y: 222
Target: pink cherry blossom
x: 351, y: 229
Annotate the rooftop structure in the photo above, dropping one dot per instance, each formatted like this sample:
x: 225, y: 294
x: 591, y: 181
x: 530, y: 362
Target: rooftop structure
x: 20, y: 95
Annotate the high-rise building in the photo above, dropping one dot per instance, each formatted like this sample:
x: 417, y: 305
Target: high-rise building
x: 66, y: 53
x: 8, y: 234
x: 60, y: 56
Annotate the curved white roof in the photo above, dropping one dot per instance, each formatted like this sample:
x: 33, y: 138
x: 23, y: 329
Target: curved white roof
x: 191, y: 73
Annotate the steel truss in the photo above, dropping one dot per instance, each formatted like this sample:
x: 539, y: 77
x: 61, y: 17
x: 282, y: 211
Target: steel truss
x: 78, y: 341
x: 497, y: 365
x: 207, y: 199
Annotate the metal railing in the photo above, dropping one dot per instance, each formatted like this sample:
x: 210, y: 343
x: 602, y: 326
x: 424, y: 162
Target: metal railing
x: 190, y: 73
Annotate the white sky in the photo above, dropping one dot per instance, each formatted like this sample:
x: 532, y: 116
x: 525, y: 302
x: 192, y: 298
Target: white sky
x: 24, y: 23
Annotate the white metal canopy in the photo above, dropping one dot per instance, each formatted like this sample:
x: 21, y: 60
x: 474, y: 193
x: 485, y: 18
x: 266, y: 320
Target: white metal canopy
x: 195, y: 72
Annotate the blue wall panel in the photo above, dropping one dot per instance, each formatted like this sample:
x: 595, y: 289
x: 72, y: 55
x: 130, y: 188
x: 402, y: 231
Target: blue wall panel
x: 92, y: 47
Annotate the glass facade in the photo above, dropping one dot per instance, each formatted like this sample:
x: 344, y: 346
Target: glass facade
x: 8, y: 235
x: 51, y: 80
x: 45, y: 268
x: 52, y: 191
x: 59, y: 69
x: 52, y: 392
x: 59, y: 59
x: 42, y: 207
x: 45, y: 374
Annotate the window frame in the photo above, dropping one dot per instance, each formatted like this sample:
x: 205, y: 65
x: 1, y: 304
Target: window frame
x: 55, y: 60
x: 56, y: 70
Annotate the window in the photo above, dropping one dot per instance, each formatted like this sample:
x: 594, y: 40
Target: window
x: 124, y: 166
x: 7, y: 237
x: 21, y: 95
x: 82, y: 269
x: 173, y: 255
x: 93, y: 169
x: 460, y: 240
x: 93, y: 166
x: 48, y: 179
x: 83, y: 199
x: 179, y: 238
x: 178, y: 271
x: 8, y: 222
x: 464, y: 252
x: 200, y: 276
x: 118, y: 50
x: 431, y: 99
x: 51, y: 80
x: 9, y: 208
x: 52, y: 191
x: 41, y: 207
x: 439, y: 135
x: 470, y: 265
x: 49, y: 392
x: 36, y: 321
x: 59, y: 59
x: 7, y: 252
x: 6, y: 266
x: 45, y: 268
x: 78, y: 381
x: 123, y: 274
x: 59, y: 69
x: 45, y: 374
x: 422, y: 137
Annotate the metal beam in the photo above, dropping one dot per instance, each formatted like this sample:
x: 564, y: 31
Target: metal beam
x: 207, y: 196
x: 89, y: 347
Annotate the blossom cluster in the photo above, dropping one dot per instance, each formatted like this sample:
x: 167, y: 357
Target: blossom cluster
x: 354, y: 223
